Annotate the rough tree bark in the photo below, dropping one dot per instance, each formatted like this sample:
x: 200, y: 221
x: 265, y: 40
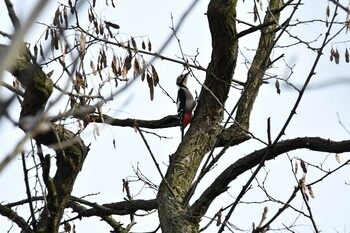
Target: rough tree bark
x: 204, y: 132
x: 70, y: 151
x: 205, y: 127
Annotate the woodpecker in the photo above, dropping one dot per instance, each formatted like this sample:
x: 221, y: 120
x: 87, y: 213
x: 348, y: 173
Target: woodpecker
x: 185, y: 103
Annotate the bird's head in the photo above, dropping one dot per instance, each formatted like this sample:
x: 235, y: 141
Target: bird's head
x: 182, y: 79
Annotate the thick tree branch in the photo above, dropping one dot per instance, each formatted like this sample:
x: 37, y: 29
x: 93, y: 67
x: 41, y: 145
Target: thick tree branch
x: 13, y: 15
x: 233, y: 135
x: 259, y: 65
x: 118, y: 208
x: 202, y: 135
x: 165, y: 122
x: 13, y: 216
x: 246, y: 163
x: 70, y: 149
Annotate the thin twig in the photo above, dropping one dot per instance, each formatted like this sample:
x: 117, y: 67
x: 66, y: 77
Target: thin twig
x: 26, y: 181
x: 154, y: 160
x: 342, y: 125
x: 336, y: 2
x: 13, y: 16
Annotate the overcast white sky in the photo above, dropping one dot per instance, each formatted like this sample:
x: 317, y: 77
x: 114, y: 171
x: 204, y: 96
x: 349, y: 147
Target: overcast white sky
x: 105, y: 166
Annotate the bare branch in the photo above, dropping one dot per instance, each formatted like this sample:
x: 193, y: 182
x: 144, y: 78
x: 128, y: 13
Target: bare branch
x: 165, y: 122
x: 242, y: 165
x: 13, y: 16
x: 118, y: 208
x: 154, y: 159
x: 25, y: 171
x: 10, y: 214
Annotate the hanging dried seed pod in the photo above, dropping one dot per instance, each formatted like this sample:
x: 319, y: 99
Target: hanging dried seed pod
x: 114, y: 70
x: 310, y: 191
x: 56, y: 17
x: 72, y: 8
x: 61, y: 19
x: 143, y: 76
x: 255, y: 13
x: 92, y: 65
x: 137, y: 69
x: 96, y: 27
x: 101, y: 27
x: 303, y: 166
x: 219, y: 215
x: 336, y: 56
x: 41, y: 52
x: 332, y: 51
x: 347, y: 55
x: 66, y: 48
x: 149, y: 45
x: 56, y: 38
x: 127, y: 62
x: 277, y: 85
x: 109, y: 31
x: 134, y: 46
x: 79, y: 81
x: 328, y: 12
x: 65, y: 16
x: 150, y: 85
x: 47, y: 33
x: 104, y: 59
x: 92, y: 15
x: 112, y: 25
x: 337, y: 158
x: 35, y: 51
x: 52, y: 40
x: 155, y: 76
x: 332, y: 54
x: 295, y: 168
x: 115, y: 66
x: 82, y: 43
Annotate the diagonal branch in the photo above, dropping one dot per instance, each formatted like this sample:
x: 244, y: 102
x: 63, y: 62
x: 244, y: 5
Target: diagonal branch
x: 13, y: 216
x: 246, y: 163
x: 13, y: 16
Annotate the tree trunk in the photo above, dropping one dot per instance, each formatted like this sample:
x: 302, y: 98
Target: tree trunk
x: 205, y: 127
x: 69, y: 148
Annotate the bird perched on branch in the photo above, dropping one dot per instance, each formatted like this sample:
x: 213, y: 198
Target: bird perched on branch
x: 185, y: 103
